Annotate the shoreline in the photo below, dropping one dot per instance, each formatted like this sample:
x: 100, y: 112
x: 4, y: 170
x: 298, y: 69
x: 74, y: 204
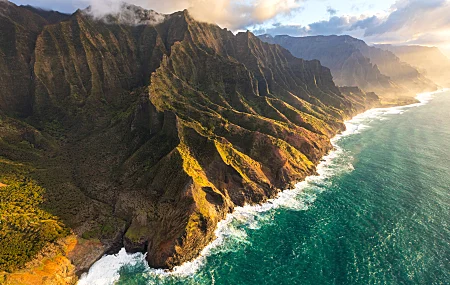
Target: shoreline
x: 285, y: 198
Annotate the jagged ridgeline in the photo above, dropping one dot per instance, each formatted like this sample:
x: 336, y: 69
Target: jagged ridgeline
x: 145, y: 130
x: 353, y: 63
x: 428, y: 60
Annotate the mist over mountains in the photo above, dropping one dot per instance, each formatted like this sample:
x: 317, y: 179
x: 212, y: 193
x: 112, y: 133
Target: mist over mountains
x: 429, y: 61
x: 354, y: 63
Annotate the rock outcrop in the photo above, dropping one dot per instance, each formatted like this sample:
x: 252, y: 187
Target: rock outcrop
x: 147, y: 135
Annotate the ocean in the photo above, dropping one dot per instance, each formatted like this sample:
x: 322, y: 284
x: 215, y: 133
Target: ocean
x: 378, y: 213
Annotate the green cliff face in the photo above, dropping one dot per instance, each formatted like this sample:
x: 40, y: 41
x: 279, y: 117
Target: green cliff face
x: 151, y: 133
x: 20, y: 29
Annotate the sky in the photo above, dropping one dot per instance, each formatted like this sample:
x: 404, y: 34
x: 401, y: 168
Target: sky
x: 423, y: 22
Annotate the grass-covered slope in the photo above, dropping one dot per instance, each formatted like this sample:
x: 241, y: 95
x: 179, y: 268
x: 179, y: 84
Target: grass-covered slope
x: 147, y: 135
x: 25, y: 227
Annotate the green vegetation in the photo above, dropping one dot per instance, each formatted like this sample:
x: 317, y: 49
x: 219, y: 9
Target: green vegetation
x: 25, y: 228
x: 165, y: 128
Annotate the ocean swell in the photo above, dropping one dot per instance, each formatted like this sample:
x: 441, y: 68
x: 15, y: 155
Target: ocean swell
x: 230, y: 232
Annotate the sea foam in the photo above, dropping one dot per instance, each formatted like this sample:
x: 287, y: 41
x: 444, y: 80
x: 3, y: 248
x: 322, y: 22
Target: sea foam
x: 232, y: 228
x: 106, y: 270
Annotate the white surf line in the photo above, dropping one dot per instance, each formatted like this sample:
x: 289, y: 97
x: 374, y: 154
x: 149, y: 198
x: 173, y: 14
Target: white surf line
x: 106, y: 270
x: 355, y: 124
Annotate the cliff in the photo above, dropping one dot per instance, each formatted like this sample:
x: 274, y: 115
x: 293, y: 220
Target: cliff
x: 430, y: 61
x: 354, y: 63
x: 144, y: 130
x: 361, y: 100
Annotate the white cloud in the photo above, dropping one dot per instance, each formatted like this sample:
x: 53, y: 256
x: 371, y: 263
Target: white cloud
x: 232, y: 14
x: 409, y: 21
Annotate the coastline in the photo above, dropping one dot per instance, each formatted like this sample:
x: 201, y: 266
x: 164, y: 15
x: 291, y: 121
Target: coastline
x: 247, y: 213
x: 158, y: 158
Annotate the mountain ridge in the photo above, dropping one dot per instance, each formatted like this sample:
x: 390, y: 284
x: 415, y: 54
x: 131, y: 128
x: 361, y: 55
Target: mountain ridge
x: 354, y: 63
x: 429, y: 60
x: 146, y: 136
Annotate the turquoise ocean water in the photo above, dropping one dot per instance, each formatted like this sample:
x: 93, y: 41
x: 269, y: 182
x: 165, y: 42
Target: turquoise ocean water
x: 379, y: 213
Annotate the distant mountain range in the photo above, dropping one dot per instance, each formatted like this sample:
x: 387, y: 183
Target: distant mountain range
x: 353, y: 63
x: 52, y: 17
x: 144, y: 130
x: 430, y: 61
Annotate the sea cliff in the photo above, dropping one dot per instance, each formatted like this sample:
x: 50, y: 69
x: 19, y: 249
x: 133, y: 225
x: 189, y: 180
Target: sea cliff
x: 145, y: 134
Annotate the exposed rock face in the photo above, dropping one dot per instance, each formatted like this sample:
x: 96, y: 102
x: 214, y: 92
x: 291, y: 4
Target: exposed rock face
x: 354, y: 63
x: 430, y: 61
x: 156, y: 131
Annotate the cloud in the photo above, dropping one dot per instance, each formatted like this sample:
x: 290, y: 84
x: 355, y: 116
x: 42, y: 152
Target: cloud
x: 101, y: 8
x: 331, y: 11
x: 129, y: 14
x: 408, y: 21
x: 431, y: 39
x: 66, y: 6
x: 240, y: 14
x: 334, y: 26
x: 280, y: 29
x: 365, y: 23
x: 232, y: 14
x: 414, y: 15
